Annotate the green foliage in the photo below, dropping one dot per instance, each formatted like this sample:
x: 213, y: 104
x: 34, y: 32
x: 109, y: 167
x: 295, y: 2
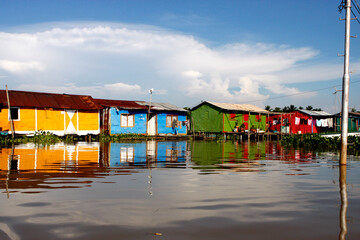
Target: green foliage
x: 316, y: 141
x: 119, y: 137
x: 44, y: 137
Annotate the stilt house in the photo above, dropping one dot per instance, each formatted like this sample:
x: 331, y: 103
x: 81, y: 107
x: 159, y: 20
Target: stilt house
x: 301, y: 121
x: 60, y: 114
x: 353, y: 122
x: 138, y: 117
x: 212, y: 117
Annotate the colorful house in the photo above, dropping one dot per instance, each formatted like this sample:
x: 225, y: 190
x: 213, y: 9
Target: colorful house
x: 211, y: 117
x: 138, y: 117
x: 302, y: 121
x: 57, y: 113
x: 353, y: 122
x: 122, y: 117
x: 166, y: 119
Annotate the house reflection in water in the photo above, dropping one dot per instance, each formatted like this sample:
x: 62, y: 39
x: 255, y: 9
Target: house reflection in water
x: 58, y: 156
x: 150, y: 153
x: 69, y: 157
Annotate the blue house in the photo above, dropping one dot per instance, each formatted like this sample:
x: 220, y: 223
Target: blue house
x: 122, y: 117
x: 165, y: 119
x: 138, y: 117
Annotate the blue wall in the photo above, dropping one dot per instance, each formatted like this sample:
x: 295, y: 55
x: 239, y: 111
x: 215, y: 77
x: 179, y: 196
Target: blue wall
x: 140, y: 122
x: 161, y: 121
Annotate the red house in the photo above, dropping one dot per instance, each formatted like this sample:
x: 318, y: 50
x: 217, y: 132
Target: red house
x: 302, y: 121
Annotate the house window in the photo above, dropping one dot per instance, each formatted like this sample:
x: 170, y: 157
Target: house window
x: 14, y: 113
x: 127, y: 120
x: 170, y: 119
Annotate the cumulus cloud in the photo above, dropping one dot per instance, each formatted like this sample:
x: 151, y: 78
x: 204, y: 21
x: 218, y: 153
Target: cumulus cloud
x: 110, y: 60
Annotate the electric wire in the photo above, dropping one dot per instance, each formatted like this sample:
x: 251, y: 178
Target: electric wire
x: 296, y: 94
x: 356, y: 6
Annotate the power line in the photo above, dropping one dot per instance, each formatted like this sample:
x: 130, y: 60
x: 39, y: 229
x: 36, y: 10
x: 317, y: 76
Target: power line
x: 356, y: 6
x: 296, y: 94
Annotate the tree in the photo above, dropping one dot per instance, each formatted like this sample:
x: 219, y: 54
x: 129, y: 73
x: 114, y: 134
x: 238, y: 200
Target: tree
x: 285, y: 109
x: 268, y: 108
x: 317, y: 109
x: 309, y: 108
x: 277, y: 109
x: 301, y: 108
x: 292, y: 108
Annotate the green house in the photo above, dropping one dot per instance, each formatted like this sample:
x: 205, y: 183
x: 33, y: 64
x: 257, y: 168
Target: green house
x: 211, y: 117
x: 353, y: 122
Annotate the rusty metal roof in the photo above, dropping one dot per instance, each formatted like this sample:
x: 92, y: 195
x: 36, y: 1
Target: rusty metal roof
x: 48, y: 100
x: 235, y: 107
x: 121, y: 104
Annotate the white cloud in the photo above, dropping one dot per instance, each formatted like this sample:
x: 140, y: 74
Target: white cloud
x: 20, y: 67
x: 106, y: 59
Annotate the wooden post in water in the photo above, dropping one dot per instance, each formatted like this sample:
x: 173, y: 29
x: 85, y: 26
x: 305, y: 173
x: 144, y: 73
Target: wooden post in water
x: 10, y: 118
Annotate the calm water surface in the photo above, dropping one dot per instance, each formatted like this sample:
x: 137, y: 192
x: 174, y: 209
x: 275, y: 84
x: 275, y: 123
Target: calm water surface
x: 176, y: 190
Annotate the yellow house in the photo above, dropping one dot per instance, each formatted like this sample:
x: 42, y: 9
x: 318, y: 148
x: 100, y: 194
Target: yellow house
x: 60, y: 114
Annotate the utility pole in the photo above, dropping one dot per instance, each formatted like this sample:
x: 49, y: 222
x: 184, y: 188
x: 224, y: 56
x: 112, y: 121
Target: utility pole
x: 345, y: 86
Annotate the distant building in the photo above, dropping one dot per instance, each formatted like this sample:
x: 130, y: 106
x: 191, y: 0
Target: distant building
x: 59, y: 114
x: 212, y: 117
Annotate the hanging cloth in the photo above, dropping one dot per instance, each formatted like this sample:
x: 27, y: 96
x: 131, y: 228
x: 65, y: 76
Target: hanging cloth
x: 318, y: 122
x: 330, y: 122
x: 297, y: 121
x: 324, y: 123
x: 309, y: 122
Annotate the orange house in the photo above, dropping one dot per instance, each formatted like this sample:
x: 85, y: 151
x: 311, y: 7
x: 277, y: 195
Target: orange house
x: 59, y: 114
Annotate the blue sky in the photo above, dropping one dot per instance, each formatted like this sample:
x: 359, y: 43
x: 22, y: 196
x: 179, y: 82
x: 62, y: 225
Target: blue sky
x: 256, y: 52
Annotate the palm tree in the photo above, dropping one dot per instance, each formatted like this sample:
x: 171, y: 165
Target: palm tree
x: 268, y: 108
x: 277, y: 109
x: 309, y: 108
x: 292, y: 108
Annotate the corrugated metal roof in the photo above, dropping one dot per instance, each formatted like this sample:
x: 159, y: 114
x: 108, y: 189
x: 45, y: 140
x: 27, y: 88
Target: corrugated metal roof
x: 350, y: 114
x: 162, y: 106
x: 48, y: 100
x: 123, y: 104
x: 316, y: 113
x: 238, y: 107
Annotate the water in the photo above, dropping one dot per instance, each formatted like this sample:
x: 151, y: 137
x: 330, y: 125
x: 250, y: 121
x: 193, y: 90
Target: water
x: 176, y: 190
